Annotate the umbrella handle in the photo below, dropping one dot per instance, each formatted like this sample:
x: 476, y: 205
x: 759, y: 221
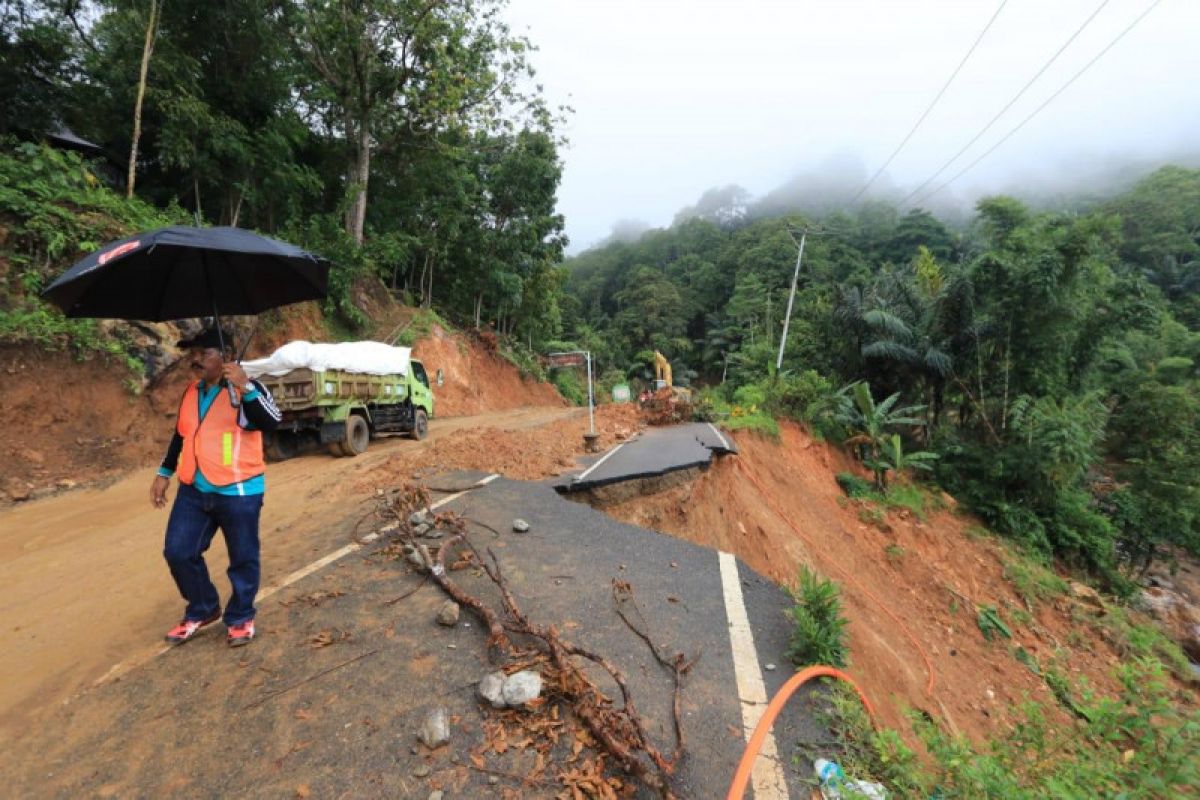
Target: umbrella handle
x: 234, y: 399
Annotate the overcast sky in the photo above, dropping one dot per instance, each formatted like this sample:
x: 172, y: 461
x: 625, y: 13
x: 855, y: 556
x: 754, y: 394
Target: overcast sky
x: 672, y: 97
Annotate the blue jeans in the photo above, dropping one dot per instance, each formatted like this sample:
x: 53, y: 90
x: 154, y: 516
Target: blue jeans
x: 195, y: 517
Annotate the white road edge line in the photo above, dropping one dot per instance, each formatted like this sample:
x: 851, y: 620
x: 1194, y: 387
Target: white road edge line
x: 603, y: 458
x: 766, y: 777
x: 125, y: 666
x: 724, y: 443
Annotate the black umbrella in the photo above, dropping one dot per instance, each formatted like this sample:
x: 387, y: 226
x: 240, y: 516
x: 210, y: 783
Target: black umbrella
x: 178, y: 272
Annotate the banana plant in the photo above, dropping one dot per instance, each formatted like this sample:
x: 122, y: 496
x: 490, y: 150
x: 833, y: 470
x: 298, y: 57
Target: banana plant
x: 868, y: 422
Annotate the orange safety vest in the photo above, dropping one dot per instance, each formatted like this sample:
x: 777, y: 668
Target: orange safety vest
x: 220, y: 448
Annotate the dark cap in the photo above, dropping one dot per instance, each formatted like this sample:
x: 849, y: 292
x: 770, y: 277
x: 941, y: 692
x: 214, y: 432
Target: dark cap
x: 206, y: 338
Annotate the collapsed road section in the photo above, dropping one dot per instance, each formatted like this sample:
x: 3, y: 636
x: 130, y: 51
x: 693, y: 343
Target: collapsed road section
x: 655, y: 453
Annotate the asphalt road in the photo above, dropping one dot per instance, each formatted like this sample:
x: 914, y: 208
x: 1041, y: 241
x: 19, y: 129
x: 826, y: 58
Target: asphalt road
x: 656, y: 451
x: 349, y: 661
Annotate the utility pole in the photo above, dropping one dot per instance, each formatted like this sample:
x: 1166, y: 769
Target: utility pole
x: 791, y: 299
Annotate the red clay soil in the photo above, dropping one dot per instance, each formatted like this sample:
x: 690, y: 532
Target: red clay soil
x: 544, y: 452
x: 744, y: 505
x: 477, y: 380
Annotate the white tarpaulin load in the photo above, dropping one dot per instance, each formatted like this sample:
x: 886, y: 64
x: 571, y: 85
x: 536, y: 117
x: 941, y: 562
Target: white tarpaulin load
x: 369, y: 358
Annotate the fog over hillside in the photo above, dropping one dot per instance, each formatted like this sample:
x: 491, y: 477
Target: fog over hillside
x: 802, y: 103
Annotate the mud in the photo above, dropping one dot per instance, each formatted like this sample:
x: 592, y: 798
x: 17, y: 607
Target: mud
x: 925, y: 572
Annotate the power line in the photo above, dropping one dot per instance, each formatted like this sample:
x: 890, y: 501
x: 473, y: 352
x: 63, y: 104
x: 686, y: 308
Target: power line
x: 1007, y: 106
x: 1038, y: 110
x: 946, y: 86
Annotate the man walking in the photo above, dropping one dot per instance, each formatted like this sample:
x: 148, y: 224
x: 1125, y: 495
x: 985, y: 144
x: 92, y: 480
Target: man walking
x: 217, y: 452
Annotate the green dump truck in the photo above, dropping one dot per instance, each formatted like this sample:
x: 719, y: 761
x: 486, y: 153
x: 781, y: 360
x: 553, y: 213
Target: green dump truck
x: 345, y: 410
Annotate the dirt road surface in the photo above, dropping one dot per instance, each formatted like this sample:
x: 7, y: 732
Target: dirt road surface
x: 83, y: 585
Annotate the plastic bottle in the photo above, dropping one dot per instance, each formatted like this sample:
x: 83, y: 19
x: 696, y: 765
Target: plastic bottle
x: 835, y: 786
x: 830, y: 777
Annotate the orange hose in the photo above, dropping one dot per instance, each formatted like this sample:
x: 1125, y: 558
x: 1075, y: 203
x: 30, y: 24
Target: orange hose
x: 741, y: 778
x: 848, y: 578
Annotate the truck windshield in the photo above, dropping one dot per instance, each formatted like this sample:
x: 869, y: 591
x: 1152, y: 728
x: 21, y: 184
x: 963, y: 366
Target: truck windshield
x: 418, y: 371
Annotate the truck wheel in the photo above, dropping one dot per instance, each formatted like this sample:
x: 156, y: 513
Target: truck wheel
x: 281, y: 446
x: 420, y: 424
x: 358, y: 436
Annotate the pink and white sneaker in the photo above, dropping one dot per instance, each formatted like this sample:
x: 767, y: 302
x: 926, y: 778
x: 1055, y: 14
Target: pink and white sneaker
x: 241, y: 634
x: 187, y: 628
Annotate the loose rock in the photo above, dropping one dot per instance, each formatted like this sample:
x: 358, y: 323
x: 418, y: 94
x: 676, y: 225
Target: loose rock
x: 422, y: 771
x: 1086, y: 595
x: 491, y: 689
x: 520, y: 525
x: 417, y: 518
x: 448, y: 614
x: 522, y: 687
x: 422, y: 529
x: 436, y: 795
x: 435, y: 731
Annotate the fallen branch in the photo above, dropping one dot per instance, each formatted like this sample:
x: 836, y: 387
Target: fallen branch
x: 619, y: 732
x: 678, y: 664
x: 407, y: 594
x: 309, y: 679
x: 511, y: 776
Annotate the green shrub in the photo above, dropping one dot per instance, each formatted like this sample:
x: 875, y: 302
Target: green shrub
x: 758, y: 422
x: 819, y: 632
x: 853, y: 485
x: 752, y: 395
x: 525, y: 360
x: 570, y: 385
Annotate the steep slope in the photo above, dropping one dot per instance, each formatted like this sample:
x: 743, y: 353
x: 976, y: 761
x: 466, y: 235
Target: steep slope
x: 911, y: 587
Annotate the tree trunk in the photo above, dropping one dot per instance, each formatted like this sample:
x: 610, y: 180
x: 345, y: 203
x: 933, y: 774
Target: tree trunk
x: 360, y: 172
x: 429, y: 290
x: 237, y: 211
x: 478, y: 309
x: 147, y: 50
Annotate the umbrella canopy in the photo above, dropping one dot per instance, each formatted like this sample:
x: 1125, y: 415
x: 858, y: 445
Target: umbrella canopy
x: 180, y: 271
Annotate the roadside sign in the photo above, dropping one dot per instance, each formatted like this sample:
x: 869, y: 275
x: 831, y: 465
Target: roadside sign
x: 620, y: 393
x: 576, y: 359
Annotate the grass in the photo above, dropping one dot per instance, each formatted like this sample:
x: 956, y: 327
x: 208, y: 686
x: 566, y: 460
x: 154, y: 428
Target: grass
x: 1034, y: 582
x: 420, y: 326
x: 894, y: 552
x: 1136, y: 744
x: 35, y: 323
x: 757, y: 422
x: 874, y: 505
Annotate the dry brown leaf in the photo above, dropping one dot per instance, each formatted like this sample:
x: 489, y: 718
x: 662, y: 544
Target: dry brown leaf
x: 304, y: 714
x: 303, y: 791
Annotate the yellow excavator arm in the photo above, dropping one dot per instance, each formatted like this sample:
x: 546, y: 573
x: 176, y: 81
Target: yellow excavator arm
x: 662, y: 371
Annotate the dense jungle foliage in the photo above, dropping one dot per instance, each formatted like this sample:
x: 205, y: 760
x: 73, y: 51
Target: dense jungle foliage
x: 406, y: 141
x: 1048, y: 360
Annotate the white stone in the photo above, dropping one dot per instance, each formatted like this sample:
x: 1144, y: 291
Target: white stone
x: 491, y: 689
x: 521, y: 687
x: 435, y: 731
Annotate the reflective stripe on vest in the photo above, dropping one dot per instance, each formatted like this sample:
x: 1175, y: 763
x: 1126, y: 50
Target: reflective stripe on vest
x: 224, y: 451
